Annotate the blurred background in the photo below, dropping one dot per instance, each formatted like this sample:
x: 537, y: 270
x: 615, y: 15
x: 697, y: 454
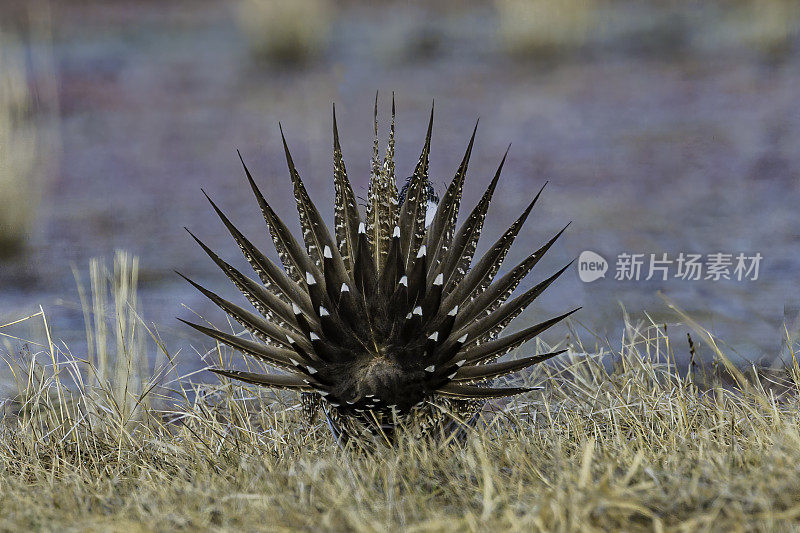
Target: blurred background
x: 663, y: 127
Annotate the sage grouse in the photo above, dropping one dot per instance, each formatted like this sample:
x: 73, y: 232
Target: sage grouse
x: 389, y: 318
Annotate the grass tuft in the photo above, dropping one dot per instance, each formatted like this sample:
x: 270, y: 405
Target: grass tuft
x: 20, y: 189
x: 541, y: 28
x: 29, y: 141
x: 285, y: 31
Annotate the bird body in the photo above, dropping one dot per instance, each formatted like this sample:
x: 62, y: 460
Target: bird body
x: 389, y: 317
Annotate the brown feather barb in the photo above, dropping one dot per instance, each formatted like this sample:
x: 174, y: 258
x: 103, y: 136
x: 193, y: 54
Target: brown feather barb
x: 387, y: 318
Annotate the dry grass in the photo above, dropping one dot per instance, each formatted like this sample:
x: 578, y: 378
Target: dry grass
x: 768, y: 26
x: 618, y: 441
x: 29, y: 142
x: 285, y: 31
x: 543, y: 27
x: 20, y: 189
x: 546, y: 29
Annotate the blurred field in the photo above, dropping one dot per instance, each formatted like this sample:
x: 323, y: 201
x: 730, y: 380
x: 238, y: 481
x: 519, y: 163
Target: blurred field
x: 663, y: 129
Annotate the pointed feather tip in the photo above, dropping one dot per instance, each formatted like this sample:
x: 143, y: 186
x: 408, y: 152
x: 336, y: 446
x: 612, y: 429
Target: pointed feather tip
x: 287, y: 153
x: 362, y: 228
x: 439, y: 279
x: 310, y: 279
x: 375, y: 116
x: 326, y: 253
x: 202, y: 244
x: 471, y: 140
x: 430, y: 129
x: 242, y: 160
x: 198, y: 327
x: 181, y: 275
x: 533, y: 202
x: 496, y: 178
x: 224, y: 373
x: 195, y: 285
x: 336, y: 144
x: 396, y: 232
x: 262, y: 202
x: 225, y: 220
x: 193, y: 236
x: 557, y: 235
x: 422, y: 251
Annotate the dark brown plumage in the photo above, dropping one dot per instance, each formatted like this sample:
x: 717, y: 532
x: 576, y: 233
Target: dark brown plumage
x: 387, y: 317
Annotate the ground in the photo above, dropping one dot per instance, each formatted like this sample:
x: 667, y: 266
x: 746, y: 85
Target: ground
x: 645, y: 152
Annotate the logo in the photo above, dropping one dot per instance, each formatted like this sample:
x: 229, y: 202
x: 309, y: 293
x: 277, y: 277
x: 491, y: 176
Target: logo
x: 716, y: 266
x: 591, y: 266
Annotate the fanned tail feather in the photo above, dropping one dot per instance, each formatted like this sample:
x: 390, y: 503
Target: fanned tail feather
x: 275, y: 381
x: 481, y: 275
x: 414, y: 209
x: 493, y: 349
x: 471, y: 391
x: 456, y: 264
x: 385, y: 313
x: 315, y: 233
x: 346, y: 216
x: 440, y: 235
x: 295, y: 261
x: 496, y: 294
x: 494, y: 370
x: 381, y: 196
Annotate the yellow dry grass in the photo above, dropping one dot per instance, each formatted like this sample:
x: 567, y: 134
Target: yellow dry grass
x: 285, y: 30
x: 20, y: 188
x: 543, y: 27
x: 769, y: 26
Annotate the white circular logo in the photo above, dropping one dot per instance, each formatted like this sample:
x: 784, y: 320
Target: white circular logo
x: 591, y: 266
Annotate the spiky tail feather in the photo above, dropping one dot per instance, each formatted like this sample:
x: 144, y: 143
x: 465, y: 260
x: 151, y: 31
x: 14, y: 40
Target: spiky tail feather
x: 385, y: 314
